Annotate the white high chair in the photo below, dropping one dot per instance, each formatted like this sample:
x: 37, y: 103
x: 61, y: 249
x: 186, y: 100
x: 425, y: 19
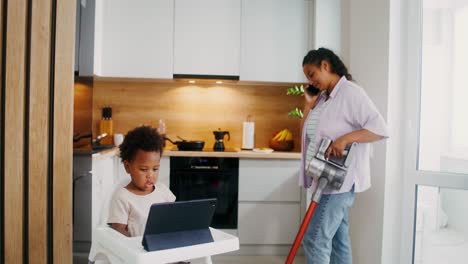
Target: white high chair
x: 110, y: 246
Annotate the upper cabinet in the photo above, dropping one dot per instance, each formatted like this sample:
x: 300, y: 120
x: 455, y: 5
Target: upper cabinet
x: 254, y: 40
x: 207, y: 37
x: 134, y: 38
x: 84, y: 37
x: 274, y: 40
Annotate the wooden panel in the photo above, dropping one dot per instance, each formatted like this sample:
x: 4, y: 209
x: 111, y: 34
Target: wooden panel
x: 194, y: 111
x: 63, y: 122
x: 38, y: 132
x: 14, y: 131
x: 2, y: 226
x: 83, y: 107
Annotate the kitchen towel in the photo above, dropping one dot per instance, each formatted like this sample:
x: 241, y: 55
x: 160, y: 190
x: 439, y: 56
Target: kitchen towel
x: 248, y: 135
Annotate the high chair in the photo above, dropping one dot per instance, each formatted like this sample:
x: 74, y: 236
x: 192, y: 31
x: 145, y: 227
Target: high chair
x: 110, y: 246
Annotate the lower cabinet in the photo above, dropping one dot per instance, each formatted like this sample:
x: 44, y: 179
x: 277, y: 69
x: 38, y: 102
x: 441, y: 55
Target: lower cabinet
x: 268, y: 223
x: 103, y: 173
x: 164, y: 171
x: 269, y: 201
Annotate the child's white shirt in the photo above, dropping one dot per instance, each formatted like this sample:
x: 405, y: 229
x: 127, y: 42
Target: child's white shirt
x: 132, y: 210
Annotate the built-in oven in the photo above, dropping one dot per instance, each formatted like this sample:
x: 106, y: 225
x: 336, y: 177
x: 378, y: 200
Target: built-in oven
x: 210, y: 177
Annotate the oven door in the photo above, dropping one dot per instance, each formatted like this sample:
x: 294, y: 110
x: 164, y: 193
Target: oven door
x: 200, y: 178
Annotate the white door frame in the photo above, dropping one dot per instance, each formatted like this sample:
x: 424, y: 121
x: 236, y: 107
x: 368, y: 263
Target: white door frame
x: 412, y: 176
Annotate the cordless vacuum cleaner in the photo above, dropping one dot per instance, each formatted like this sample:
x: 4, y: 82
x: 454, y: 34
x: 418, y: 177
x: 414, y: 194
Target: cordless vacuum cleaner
x: 327, y: 172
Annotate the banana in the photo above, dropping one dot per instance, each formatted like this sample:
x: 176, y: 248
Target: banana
x: 278, y: 135
x: 283, y: 135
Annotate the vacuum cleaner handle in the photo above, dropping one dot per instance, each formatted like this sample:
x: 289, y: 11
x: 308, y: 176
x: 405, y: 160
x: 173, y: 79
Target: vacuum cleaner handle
x: 323, y: 181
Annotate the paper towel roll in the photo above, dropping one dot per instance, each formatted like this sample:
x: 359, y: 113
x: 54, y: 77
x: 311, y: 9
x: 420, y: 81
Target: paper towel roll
x: 248, y: 135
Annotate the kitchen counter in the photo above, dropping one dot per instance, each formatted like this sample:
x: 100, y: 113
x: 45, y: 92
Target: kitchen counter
x: 103, y: 154
x: 228, y: 154
x: 234, y: 154
x: 96, y: 155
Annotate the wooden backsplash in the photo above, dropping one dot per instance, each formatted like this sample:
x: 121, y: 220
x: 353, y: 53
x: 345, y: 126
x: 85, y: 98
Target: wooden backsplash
x: 193, y: 111
x: 82, y: 107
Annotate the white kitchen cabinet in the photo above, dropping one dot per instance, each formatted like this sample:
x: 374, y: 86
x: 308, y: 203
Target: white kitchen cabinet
x: 268, y: 223
x: 274, y: 40
x: 134, y: 38
x: 207, y: 37
x: 269, y: 201
x: 164, y: 171
x: 269, y: 180
x: 103, y: 173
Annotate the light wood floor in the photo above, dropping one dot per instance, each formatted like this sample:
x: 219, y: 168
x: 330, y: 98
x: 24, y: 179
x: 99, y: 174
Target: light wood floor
x: 255, y: 260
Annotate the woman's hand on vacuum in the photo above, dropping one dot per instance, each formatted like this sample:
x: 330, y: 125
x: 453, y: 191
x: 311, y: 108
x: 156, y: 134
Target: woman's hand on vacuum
x: 360, y: 136
x: 337, y: 147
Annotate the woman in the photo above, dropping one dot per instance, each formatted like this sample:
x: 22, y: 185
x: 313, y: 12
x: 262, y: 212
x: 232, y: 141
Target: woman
x: 344, y: 113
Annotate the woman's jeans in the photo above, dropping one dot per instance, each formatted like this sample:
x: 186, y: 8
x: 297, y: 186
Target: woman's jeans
x: 327, y: 239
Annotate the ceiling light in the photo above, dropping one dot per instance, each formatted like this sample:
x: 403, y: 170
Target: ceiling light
x: 191, y: 81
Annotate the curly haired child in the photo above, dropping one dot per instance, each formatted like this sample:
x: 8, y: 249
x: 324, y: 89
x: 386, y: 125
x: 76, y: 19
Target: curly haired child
x: 141, y: 153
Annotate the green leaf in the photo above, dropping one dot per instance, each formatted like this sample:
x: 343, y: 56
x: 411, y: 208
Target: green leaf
x: 296, y: 90
x: 296, y: 113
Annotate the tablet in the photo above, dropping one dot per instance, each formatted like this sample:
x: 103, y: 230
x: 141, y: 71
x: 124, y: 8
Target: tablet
x: 178, y: 224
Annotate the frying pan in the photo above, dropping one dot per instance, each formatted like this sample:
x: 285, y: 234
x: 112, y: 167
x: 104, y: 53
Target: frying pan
x: 189, y: 145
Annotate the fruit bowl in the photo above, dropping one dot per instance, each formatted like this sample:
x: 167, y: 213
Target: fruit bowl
x: 284, y: 145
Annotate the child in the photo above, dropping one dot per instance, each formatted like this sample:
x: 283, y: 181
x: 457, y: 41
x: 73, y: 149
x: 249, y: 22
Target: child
x: 141, y: 153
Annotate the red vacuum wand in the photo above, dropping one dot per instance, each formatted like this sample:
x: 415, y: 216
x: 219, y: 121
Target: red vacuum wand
x: 323, y: 182
x: 329, y: 172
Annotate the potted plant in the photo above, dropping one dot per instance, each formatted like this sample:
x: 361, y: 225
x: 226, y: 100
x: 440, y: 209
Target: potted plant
x: 299, y: 90
x: 296, y: 90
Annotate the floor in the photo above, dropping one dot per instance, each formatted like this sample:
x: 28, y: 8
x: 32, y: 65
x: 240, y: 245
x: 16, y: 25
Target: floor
x: 230, y: 260
x: 446, y: 246
x: 255, y: 260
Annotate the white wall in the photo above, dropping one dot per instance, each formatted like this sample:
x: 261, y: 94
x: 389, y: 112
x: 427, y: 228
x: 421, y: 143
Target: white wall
x: 394, y: 177
x: 367, y: 42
